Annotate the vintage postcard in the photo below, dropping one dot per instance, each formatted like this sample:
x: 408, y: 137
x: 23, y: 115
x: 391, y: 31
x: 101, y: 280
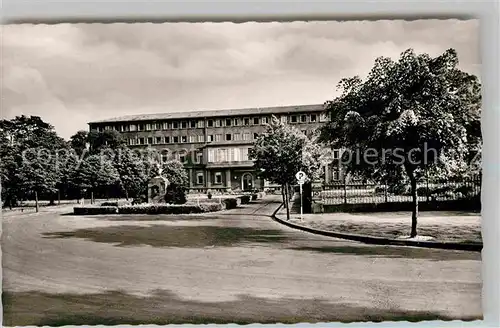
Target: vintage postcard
x: 284, y: 172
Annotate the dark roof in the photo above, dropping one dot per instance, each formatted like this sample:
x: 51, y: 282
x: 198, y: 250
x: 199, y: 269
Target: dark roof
x: 214, y: 113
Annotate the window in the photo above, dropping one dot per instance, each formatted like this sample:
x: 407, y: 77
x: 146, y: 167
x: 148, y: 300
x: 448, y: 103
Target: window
x: 184, y: 139
x: 246, y: 121
x: 228, y: 122
x: 218, y: 178
x: 176, y: 139
x: 313, y: 117
x: 141, y: 141
x: 199, y: 157
x: 336, y: 154
x: 131, y: 141
x: 184, y: 125
x: 193, y: 124
x: 141, y: 127
x: 236, y: 137
x: 293, y: 119
x: 158, y: 126
x: 211, y: 155
x: 122, y: 128
x: 158, y: 140
x: 218, y: 137
x: 236, y: 122
x: 210, y: 138
x: 150, y: 141
x: 265, y: 120
x: 323, y: 117
x: 255, y: 135
x: 248, y: 153
x: 201, y: 124
x: 107, y: 127
x: 133, y: 127
x: 336, y: 175
x: 303, y: 118
x: 182, y: 159
x: 228, y: 137
x: 210, y: 123
x: 148, y: 127
x: 256, y: 120
x: 201, y: 138
x: 165, y: 126
x: 175, y: 125
x: 192, y: 138
x: 217, y: 123
x: 283, y: 119
x: 199, y: 178
x: 246, y: 136
x: 167, y: 139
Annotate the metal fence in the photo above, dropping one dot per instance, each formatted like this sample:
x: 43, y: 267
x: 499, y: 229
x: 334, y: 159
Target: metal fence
x: 362, y: 193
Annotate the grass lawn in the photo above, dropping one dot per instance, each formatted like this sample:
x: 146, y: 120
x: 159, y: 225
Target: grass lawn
x: 461, y: 227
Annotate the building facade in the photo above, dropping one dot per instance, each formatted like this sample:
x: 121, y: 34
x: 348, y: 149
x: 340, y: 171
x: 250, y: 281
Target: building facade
x: 214, y: 145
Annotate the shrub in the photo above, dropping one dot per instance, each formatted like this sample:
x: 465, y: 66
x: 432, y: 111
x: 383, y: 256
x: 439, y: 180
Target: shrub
x: 230, y: 203
x: 254, y: 196
x: 95, y: 210
x: 209, y: 194
x: 381, y: 189
x: 175, y: 194
x: 245, y: 199
x: 211, y: 207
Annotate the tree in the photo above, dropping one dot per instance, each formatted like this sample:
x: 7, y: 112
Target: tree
x: 79, y: 142
x: 96, y: 173
x: 411, y: 117
x: 132, y: 172
x: 109, y: 139
x: 281, y: 151
x: 30, y: 163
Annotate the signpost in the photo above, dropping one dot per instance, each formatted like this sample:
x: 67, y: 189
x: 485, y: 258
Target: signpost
x: 301, y: 178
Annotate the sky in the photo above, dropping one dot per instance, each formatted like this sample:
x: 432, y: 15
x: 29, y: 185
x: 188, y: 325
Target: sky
x: 71, y: 74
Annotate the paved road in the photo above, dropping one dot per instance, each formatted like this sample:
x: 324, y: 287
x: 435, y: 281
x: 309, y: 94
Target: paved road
x: 233, y: 266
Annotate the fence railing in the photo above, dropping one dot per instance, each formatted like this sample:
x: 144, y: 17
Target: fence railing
x: 361, y: 193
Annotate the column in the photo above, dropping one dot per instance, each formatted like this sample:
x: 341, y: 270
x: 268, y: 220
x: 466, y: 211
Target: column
x: 228, y: 178
x: 190, y: 170
x: 208, y: 182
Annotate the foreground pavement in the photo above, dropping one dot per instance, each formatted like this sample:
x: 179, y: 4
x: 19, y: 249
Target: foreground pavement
x: 234, y: 266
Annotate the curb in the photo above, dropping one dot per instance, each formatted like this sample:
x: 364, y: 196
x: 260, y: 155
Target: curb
x: 473, y: 247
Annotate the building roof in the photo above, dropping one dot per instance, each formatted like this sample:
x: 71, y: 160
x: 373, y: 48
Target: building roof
x: 214, y: 113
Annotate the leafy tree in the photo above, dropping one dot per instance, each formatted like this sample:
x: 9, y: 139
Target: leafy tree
x: 175, y: 194
x: 95, y: 173
x: 29, y: 165
x: 281, y: 151
x: 132, y: 173
x: 175, y: 172
x: 412, y: 117
x: 110, y: 139
x: 79, y: 142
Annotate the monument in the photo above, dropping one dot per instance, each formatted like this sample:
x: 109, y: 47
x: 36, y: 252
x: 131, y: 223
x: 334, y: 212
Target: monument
x: 157, y: 188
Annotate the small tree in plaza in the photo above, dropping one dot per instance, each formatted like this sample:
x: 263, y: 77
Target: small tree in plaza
x: 415, y: 116
x: 281, y: 152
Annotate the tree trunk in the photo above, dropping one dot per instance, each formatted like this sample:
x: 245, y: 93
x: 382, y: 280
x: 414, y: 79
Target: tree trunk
x: 414, y: 197
x: 283, y: 193
x: 126, y: 194
x: 287, y: 202
x: 92, y: 197
x: 36, y: 201
x: 58, y: 197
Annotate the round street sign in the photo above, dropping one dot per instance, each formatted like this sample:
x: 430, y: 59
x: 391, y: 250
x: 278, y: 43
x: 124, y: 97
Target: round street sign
x: 301, y: 177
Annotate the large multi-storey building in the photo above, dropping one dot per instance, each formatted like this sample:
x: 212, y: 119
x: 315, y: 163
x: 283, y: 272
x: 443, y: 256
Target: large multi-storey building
x: 214, y: 145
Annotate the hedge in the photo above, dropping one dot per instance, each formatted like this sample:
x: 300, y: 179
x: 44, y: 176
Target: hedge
x: 149, y: 209
x: 254, y: 196
x: 95, y: 210
x: 245, y: 199
x: 230, y: 203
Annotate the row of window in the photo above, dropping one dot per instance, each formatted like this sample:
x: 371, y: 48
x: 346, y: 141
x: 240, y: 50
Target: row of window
x: 192, y: 124
x: 159, y: 140
x: 231, y: 154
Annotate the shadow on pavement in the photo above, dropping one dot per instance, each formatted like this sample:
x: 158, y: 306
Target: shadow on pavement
x: 173, y: 236
x: 164, y: 307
